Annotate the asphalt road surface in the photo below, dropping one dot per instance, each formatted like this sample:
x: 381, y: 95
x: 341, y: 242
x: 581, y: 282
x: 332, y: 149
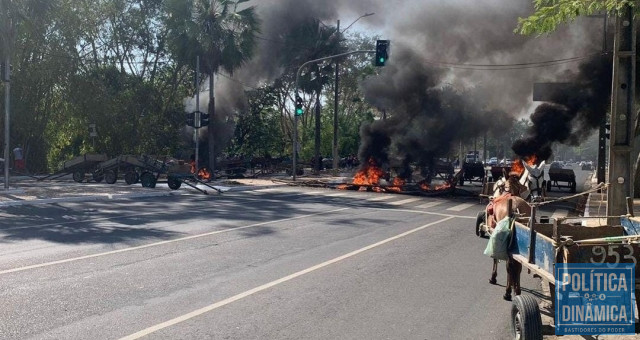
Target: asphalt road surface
x: 281, y: 263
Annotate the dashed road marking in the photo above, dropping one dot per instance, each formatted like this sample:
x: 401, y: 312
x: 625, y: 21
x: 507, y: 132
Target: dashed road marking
x: 461, y: 207
x: 430, y: 204
x: 408, y: 200
x: 380, y: 198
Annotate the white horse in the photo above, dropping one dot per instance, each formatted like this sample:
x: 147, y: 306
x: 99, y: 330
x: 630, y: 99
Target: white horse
x: 535, y: 179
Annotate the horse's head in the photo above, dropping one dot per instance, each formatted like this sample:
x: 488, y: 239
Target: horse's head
x: 535, y: 177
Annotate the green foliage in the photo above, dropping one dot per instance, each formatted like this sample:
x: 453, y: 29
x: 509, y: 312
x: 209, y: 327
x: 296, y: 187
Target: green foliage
x: 549, y: 14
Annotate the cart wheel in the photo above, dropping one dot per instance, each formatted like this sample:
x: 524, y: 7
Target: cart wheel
x: 97, y: 177
x: 204, y: 174
x: 548, y: 186
x: 131, y: 177
x: 111, y: 176
x: 78, y: 176
x: 481, y: 218
x: 148, y: 180
x: 526, y: 323
x: 173, y: 183
x: 573, y: 186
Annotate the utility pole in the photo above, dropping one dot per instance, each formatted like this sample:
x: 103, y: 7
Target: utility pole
x: 622, y: 115
x: 335, y: 112
x: 7, y: 96
x: 602, y: 139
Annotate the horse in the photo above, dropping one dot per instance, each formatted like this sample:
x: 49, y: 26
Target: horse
x: 510, y: 193
x: 535, y: 179
x: 501, y: 209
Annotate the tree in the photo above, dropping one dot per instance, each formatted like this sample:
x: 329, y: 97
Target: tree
x: 549, y: 14
x: 215, y: 30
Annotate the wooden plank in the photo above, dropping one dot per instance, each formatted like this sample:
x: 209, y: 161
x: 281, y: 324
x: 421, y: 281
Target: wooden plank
x: 535, y: 268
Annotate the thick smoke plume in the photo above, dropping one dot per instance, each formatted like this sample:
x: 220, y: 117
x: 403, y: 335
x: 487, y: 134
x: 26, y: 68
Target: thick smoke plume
x: 432, y: 103
x: 425, y: 118
x: 572, y: 114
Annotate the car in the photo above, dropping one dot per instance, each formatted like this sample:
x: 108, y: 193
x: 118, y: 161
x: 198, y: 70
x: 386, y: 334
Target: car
x: 493, y: 161
x: 556, y: 165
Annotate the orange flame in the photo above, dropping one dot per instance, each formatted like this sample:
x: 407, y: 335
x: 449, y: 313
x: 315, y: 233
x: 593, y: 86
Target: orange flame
x: 397, y: 184
x: 519, y: 168
x: 444, y: 186
x: 424, y: 185
x: 369, y: 175
x: 204, y: 174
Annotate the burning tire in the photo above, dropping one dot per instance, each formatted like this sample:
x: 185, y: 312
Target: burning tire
x: 204, y: 174
x: 111, y: 176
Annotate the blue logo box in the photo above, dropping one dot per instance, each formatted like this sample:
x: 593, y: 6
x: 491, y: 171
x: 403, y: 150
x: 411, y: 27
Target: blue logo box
x: 595, y: 298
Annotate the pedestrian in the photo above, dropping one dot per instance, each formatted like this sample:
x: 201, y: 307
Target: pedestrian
x: 18, y: 158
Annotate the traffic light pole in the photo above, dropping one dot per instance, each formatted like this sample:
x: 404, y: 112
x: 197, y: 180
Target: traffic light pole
x: 622, y: 115
x: 295, y: 121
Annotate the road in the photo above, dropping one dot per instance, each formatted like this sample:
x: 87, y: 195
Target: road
x: 280, y: 263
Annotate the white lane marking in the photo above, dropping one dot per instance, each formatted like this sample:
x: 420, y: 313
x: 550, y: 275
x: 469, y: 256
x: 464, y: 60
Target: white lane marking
x: 314, y: 193
x: 265, y: 286
x: 380, y: 198
x: 336, y: 194
x: 46, y: 264
x: 560, y: 213
x: 408, y: 200
x: 461, y: 207
x: 430, y: 204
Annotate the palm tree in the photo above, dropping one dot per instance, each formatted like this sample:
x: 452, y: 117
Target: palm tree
x: 223, y: 37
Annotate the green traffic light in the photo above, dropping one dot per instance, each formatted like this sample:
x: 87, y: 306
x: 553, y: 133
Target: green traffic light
x: 299, y: 112
x: 382, y: 60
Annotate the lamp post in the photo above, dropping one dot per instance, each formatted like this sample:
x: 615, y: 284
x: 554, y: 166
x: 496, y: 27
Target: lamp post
x: 335, y: 104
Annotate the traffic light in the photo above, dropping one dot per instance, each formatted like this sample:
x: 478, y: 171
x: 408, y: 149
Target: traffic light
x: 607, y: 130
x: 204, y: 119
x: 382, y: 52
x: 190, y: 118
x: 299, y: 110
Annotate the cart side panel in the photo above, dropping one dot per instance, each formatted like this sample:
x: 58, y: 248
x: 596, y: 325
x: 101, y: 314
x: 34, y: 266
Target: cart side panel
x: 604, y: 253
x: 544, y: 250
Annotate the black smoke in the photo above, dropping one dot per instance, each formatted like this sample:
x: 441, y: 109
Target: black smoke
x: 573, y: 113
x: 426, y: 119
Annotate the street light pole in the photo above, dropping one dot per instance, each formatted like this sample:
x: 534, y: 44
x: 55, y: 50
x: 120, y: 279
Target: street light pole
x: 335, y: 104
x: 7, y: 91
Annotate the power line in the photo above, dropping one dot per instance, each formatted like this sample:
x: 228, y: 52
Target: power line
x: 514, y: 66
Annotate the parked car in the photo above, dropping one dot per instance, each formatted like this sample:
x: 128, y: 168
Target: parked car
x: 493, y: 161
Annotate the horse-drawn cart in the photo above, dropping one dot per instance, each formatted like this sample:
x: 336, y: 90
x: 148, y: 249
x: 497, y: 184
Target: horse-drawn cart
x: 559, y: 176
x: 544, y: 246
